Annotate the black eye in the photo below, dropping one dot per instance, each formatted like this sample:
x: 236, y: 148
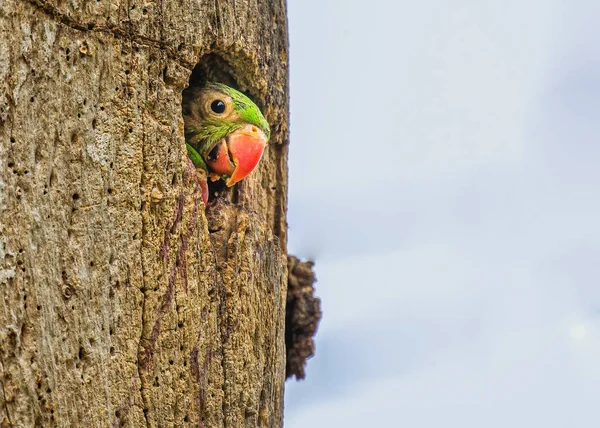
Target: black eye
x: 217, y: 106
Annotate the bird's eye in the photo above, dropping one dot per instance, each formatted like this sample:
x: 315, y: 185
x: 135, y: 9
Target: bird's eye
x: 217, y: 106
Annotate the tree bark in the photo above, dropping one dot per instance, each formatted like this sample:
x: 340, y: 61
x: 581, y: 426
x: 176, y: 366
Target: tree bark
x: 123, y: 302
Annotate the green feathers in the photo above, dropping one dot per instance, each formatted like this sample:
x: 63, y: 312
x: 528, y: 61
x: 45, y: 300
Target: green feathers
x: 205, y: 127
x: 247, y: 110
x: 195, y: 157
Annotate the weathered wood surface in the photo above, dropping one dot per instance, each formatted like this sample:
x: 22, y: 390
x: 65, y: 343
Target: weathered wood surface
x: 122, y: 303
x: 302, y: 316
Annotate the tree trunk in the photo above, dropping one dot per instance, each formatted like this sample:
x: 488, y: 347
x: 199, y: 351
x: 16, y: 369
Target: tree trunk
x: 122, y: 301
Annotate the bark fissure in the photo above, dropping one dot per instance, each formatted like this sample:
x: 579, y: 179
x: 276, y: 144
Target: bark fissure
x: 144, y: 288
x: 116, y: 31
x: 5, y: 402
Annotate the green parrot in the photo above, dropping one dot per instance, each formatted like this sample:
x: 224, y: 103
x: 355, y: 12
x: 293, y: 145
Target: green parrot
x: 225, y: 133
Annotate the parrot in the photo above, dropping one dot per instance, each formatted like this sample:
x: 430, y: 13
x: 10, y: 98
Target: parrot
x: 225, y: 134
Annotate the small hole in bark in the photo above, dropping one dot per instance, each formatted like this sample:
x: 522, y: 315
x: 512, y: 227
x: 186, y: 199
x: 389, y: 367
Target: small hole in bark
x: 145, y: 11
x: 110, y: 191
x: 185, y: 364
x: 110, y: 331
x: 75, y: 196
x: 117, y: 414
x: 171, y: 362
x: 112, y: 350
x: 180, y: 324
x: 91, y: 264
x: 79, y: 115
x: 94, y: 123
x: 12, y: 140
x: 31, y: 99
x: 81, y: 353
x: 186, y: 418
x: 174, y: 180
x: 68, y: 51
x: 39, y: 307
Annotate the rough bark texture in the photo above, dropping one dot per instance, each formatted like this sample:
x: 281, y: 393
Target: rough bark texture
x: 302, y: 317
x: 122, y: 302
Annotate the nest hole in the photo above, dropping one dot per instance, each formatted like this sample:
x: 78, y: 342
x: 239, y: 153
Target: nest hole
x: 231, y: 71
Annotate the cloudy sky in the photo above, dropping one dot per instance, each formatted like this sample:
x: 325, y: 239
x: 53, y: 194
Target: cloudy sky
x: 445, y: 174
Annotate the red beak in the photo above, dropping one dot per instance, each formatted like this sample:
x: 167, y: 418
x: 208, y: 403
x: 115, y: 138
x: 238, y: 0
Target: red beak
x: 240, y: 154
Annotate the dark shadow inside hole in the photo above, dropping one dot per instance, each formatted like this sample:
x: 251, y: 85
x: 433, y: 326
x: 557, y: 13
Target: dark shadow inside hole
x: 212, y: 68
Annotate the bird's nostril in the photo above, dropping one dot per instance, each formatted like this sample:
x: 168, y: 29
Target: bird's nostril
x: 254, y: 130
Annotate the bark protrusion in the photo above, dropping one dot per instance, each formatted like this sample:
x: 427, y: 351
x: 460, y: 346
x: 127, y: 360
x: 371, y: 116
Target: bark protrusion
x: 302, y: 316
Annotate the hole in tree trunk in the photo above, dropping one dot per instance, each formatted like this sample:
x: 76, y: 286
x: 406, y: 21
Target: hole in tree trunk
x: 219, y: 68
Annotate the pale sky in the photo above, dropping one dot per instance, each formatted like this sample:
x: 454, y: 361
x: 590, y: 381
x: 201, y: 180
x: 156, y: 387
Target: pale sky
x: 444, y: 174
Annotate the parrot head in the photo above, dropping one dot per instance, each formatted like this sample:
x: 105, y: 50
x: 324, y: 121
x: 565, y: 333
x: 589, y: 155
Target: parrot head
x: 226, y: 129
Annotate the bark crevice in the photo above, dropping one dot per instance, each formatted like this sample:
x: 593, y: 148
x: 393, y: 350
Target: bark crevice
x: 116, y: 31
x: 4, y: 400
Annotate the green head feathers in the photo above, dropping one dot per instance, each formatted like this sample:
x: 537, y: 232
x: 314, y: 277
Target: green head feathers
x: 214, y: 111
